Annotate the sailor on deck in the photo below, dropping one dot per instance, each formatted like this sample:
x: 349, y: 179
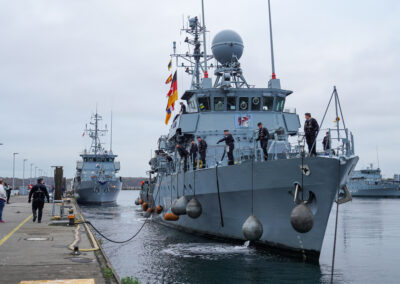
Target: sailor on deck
x: 184, y: 154
x: 202, y: 146
x: 193, y: 153
x: 230, y: 143
x: 311, y: 129
x: 263, y: 136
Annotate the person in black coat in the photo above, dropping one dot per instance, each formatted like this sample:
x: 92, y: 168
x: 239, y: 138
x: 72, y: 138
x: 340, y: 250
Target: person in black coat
x: 230, y: 143
x: 193, y: 153
x: 263, y: 136
x: 184, y: 154
x: 326, y: 143
x: 183, y: 108
x: 202, y: 147
x: 311, y: 129
x: 38, y: 193
x: 8, y: 189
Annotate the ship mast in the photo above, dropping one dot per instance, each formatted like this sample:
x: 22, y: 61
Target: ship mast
x: 95, y: 134
x: 192, y: 60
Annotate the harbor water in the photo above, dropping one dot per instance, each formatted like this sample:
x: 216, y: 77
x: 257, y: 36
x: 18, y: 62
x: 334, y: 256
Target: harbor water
x: 367, y: 250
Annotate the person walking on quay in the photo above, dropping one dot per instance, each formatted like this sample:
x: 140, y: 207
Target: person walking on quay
x: 311, y: 129
x: 230, y: 143
x: 3, y: 198
x: 39, y: 193
x: 202, y: 146
x: 8, y: 189
x: 193, y: 153
x: 263, y: 136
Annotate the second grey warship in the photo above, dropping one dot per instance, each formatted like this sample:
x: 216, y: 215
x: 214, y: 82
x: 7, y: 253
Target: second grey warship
x: 253, y: 199
x: 369, y: 183
x: 96, y: 181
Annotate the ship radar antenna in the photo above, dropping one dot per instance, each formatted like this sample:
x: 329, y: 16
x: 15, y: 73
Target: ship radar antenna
x: 271, y: 41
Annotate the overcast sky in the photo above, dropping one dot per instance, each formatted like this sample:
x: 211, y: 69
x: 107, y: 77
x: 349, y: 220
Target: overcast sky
x: 59, y: 58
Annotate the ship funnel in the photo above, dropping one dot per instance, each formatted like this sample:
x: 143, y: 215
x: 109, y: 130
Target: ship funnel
x: 227, y: 47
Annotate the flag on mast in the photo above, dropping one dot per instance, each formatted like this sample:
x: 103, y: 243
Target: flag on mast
x: 169, y: 79
x: 172, y: 97
x: 170, y: 64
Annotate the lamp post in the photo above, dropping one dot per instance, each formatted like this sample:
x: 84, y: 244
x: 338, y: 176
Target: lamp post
x: 30, y: 178
x: 35, y: 172
x: 23, y: 173
x: 13, y: 180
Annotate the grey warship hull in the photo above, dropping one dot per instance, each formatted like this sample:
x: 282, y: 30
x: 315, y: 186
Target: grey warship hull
x: 381, y: 190
x: 273, y: 183
x: 92, y: 192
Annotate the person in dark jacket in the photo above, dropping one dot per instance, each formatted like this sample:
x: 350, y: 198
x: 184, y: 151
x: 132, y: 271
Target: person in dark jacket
x: 311, y: 129
x: 202, y: 146
x: 184, y: 154
x: 263, y: 136
x: 326, y: 143
x: 38, y: 193
x: 193, y: 153
x: 8, y: 189
x: 230, y: 143
x: 183, y: 108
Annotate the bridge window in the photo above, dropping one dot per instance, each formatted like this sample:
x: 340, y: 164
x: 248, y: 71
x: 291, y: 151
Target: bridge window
x: 280, y: 103
x: 243, y: 103
x: 268, y: 103
x: 192, y: 105
x: 231, y: 103
x: 219, y: 104
x: 255, y: 103
x: 204, y: 103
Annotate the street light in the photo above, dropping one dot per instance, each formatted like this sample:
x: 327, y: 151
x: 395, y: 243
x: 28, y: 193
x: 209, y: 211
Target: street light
x: 13, y: 180
x: 30, y: 178
x: 35, y: 172
x: 23, y: 174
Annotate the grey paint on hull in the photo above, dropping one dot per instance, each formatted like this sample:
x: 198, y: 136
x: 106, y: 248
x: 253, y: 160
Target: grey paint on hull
x: 273, y: 199
x: 86, y: 194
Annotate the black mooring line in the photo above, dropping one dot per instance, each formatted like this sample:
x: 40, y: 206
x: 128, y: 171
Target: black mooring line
x: 219, y: 197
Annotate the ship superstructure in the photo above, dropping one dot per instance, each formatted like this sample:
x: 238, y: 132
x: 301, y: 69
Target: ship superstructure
x: 369, y: 183
x: 96, y: 179
x: 269, y: 190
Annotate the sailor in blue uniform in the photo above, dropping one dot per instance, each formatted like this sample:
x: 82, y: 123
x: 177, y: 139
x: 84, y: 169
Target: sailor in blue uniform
x: 311, y: 129
x: 230, y: 143
x: 263, y: 136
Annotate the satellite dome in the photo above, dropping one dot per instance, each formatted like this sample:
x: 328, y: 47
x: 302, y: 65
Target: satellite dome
x: 225, y: 45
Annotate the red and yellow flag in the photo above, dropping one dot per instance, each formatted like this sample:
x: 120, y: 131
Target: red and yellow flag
x: 172, y: 97
x: 169, y: 79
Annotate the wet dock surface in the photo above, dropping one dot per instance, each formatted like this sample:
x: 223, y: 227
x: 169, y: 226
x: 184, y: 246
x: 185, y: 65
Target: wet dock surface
x: 367, y: 249
x: 32, y: 251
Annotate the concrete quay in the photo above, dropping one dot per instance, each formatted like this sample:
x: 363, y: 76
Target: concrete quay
x: 30, y: 251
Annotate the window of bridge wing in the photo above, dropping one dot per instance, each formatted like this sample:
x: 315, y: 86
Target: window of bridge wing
x: 268, y: 103
x: 280, y: 104
x: 231, y: 103
x: 219, y: 103
x: 243, y: 103
x: 192, y: 105
x: 204, y: 103
x: 255, y: 103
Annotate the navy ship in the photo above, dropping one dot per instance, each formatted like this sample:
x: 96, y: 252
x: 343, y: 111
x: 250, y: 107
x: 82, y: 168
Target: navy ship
x: 282, y: 203
x: 96, y: 180
x: 369, y: 183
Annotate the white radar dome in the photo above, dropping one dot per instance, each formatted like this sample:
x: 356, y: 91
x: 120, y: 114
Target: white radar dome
x: 225, y: 45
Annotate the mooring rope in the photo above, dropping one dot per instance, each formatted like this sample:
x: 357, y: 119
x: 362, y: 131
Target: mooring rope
x: 219, y: 197
x: 336, y: 225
